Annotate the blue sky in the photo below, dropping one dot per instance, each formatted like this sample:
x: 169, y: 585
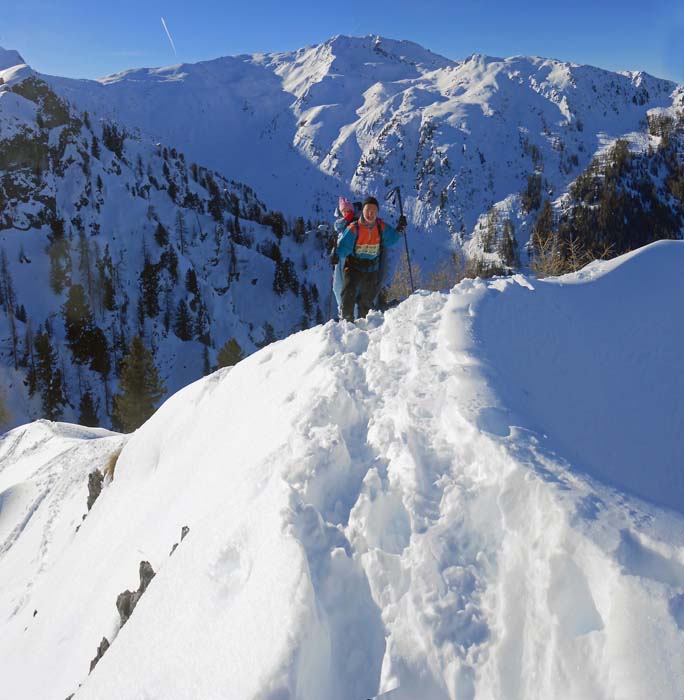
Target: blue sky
x: 90, y: 39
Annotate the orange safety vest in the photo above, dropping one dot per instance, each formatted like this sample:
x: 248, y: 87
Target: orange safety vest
x: 368, y: 239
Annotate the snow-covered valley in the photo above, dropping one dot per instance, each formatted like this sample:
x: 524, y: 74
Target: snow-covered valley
x: 477, y: 495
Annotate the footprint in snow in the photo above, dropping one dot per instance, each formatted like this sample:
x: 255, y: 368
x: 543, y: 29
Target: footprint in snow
x: 494, y: 421
x: 230, y: 571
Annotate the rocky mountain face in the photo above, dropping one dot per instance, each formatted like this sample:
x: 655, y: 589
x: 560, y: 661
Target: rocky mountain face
x: 363, y: 115
x: 105, y: 235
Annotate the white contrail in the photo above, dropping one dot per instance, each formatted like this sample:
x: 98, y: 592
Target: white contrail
x: 168, y: 33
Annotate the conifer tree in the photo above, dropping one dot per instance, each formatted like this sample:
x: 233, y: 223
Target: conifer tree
x: 167, y: 316
x: 279, y: 278
x: 60, y: 260
x: 78, y: 322
x: 191, y: 282
x: 172, y: 190
x: 7, y: 295
x: 543, y: 228
x: 85, y: 264
x: 508, y: 245
x: 4, y: 411
x: 140, y: 309
x: 99, y: 352
x: 113, y: 139
x: 490, y: 232
x: 172, y: 264
x: 306, y: 300
x: 215, y: 206
x: 531, y: 195
x: 218, y: 239
x: 181, y: 230
x: 149, y: 288
x: 233, y: 273
x: 276, y: 221
x: 202, y: 324
x: 9, y: 302
x: 237, y: 231
x: 86, y: 341
x: 161, y: 235
x: 230, y: 353
x: 140, y: 389
x: 49, y: 377
x: 299, y: 230
x: 206, y: 365
x: 87, y: 412
x: 29, y: 360
x: 182, y: 326
x: 290, y: 274
x: 105, y: 279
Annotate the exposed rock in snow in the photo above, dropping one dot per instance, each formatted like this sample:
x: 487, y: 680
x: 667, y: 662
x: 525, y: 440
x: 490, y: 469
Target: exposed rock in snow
x: 101, y: 650
x: 126, y: 601
x: 95, y: 479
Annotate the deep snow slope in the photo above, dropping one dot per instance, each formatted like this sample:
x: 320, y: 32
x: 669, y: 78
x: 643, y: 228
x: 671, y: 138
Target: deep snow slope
x: 462, y: 498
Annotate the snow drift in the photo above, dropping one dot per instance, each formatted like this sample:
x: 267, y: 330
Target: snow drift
x: 477, y: 495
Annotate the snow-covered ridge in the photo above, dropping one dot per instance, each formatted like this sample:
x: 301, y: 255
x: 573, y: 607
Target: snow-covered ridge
x: 424, y: 500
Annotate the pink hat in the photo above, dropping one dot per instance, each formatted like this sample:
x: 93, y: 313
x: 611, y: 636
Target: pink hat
x: 343, y: 203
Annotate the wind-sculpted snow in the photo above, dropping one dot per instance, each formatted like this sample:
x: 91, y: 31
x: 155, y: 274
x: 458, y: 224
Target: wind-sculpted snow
x: 408, y: 503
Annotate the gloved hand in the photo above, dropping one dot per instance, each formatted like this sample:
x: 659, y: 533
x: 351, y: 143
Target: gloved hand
x: 334, y: 258
x: 401, y: 224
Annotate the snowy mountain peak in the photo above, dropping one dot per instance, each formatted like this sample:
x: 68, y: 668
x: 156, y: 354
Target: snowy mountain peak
x: 344, y: 62
x: 392, y: 50
x: 10, y: 58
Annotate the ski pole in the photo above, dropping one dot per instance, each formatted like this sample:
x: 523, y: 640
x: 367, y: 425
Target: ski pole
x: 396, y: 193
x: 332, y: 294
x: 335, y: 261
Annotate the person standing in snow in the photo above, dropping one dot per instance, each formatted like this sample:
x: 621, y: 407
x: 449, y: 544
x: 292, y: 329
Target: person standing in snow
x: 360, y: 246
x: 345, y: 210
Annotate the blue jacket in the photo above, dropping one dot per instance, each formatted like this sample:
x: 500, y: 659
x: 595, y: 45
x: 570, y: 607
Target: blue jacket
x: 346, y: 244
x: 340, y: 224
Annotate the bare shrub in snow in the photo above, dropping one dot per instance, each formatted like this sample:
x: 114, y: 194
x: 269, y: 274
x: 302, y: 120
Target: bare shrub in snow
x: 109, y: 470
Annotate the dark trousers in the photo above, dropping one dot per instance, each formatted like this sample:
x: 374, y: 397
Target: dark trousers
x: 358, y: 289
